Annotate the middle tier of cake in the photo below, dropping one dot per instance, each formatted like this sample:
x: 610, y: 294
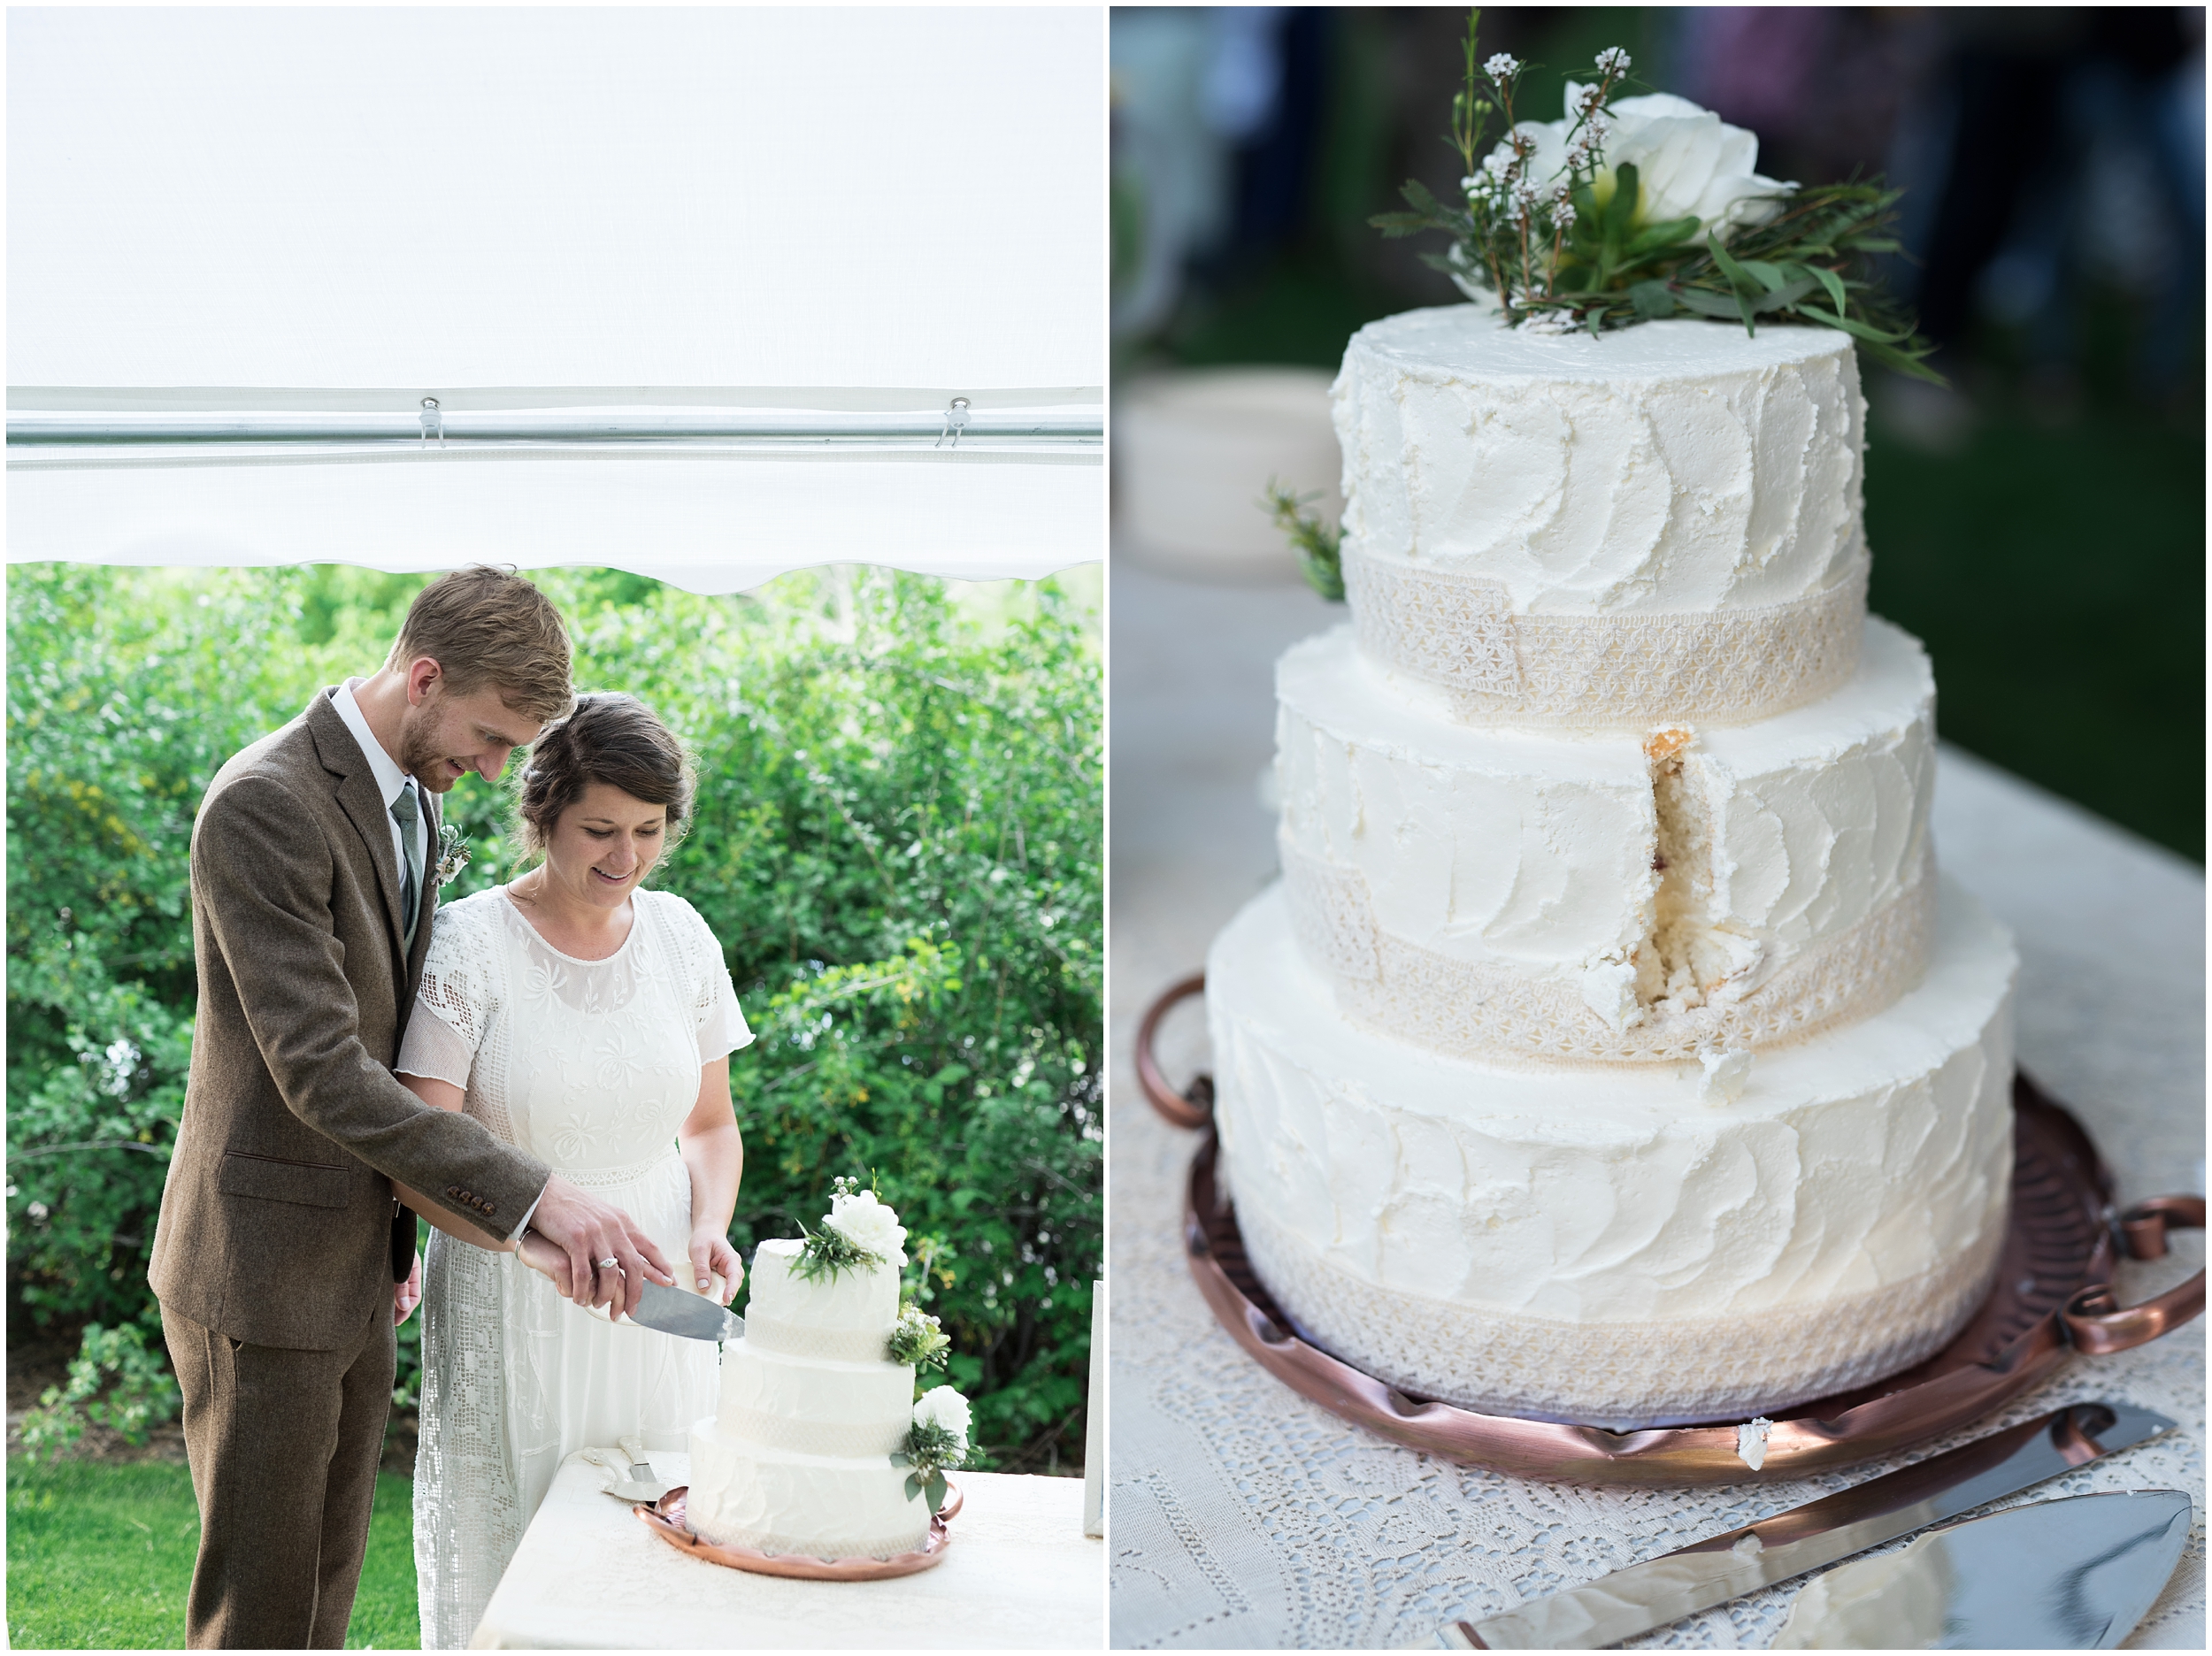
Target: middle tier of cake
x: 1502, y: 893
x: 1619, y: 1246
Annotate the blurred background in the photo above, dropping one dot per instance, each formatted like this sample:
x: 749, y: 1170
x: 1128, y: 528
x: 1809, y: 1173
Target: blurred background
x: 2040, y: 523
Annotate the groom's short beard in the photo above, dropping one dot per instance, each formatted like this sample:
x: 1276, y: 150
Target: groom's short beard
x: 419, y: 756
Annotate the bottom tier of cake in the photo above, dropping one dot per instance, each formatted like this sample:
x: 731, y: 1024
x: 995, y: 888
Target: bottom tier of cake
x: 744, y: 1493
x: 1619, y: 1245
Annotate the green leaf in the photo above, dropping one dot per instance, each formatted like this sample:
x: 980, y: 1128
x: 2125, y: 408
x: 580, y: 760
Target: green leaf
x: 1875, y: 244
x: 1669, y: 232
x: 936, y: 1492
x: 1707, y: 303
x: 1653, y: 300
x: 1784, y: 297
x: 1773, y: 278
x: 1863, y: 330
x: 1740, y: 279
x: 914, y: 1486
x: 1394, y: 224
x: 1417, y: 198
x: 1833, y: 283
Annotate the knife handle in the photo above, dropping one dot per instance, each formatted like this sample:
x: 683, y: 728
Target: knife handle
x: 2095, y: 1321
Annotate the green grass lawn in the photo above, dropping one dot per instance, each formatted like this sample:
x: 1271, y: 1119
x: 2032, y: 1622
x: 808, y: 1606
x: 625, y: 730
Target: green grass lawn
x: 100, y: 1556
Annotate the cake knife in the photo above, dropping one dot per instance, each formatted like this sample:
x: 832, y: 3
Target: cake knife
x: 1711, y: 1572
x: 693, y: 1316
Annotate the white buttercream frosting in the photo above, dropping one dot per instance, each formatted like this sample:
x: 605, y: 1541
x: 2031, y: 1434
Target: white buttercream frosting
x: 1537, y: 853
x: 1544, y: 1234
x: 1673, y: 467
x: 855, y: 1299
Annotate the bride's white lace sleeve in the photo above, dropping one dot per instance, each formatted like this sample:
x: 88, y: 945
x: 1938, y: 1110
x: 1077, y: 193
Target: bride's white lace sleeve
x: 716, y: 1017
x: 453, y: 1007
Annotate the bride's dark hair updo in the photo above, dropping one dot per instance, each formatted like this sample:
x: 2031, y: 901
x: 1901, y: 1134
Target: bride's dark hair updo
x: 608, y: 738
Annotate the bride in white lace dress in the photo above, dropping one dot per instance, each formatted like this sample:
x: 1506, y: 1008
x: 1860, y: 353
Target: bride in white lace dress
x: 590, y: 1020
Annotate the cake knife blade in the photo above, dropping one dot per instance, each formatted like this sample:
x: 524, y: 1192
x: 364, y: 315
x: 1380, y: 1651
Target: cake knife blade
x: 693, y: 1316
x: 1713, y: 1571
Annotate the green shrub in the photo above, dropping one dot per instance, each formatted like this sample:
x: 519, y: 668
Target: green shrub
x: 140, y: 1393
x: 898, y: 840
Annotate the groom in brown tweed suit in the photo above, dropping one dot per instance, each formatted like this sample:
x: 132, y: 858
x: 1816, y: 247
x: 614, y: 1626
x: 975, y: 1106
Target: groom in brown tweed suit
x: 280, y: 1242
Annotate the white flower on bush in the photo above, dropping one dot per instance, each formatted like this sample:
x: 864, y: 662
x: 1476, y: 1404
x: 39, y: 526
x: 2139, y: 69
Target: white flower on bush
x: 1689, y: 163
x: 941, y: 1406
x: 867, y: 1223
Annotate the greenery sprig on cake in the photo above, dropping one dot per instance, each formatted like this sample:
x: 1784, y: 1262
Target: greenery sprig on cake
x: 1319, y: 547
x: 1635, y: 210
x: 858, y: 1233
x: 917, y: 1339
x: 937, y: 1440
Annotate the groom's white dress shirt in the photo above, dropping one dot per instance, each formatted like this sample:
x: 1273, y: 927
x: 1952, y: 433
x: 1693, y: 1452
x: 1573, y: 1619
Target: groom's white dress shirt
x: 389, y: 779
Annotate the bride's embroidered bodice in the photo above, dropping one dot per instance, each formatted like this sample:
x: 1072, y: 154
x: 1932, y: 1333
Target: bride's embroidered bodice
x: 588, y: 1065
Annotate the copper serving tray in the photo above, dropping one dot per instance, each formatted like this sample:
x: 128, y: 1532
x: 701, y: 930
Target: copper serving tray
x: 2053, y: 1296
x: 665, y: 1518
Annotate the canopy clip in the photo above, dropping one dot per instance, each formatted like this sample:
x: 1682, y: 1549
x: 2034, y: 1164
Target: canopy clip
x: 955, y: 422
x: 433, y: 423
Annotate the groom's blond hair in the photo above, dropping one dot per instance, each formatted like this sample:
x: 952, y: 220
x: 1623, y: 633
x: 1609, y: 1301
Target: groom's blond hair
x: 489, y: 626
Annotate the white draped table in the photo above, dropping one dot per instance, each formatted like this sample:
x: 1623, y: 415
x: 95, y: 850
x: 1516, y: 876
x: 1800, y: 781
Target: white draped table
x: 1240, y: 1514
x: 590, y: 1575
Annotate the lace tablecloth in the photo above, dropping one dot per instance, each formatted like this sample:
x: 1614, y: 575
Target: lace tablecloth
x: 1243, y: 1514
x: 590, y: 1575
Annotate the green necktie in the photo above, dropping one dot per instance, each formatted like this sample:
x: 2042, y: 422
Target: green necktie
x: 404, y: 812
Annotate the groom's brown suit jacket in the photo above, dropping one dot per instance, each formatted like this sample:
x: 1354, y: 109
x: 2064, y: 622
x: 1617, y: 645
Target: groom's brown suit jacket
x: 276, y: 1222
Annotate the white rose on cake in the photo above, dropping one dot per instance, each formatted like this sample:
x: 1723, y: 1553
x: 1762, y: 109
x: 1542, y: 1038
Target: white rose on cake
x: 1689, y: 163
x: 941, y: 1406
x: 865, y: 1222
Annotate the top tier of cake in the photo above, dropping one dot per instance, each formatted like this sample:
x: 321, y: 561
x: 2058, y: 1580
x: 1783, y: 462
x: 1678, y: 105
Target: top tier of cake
x: 862, y: 1302
x: 1660, y: 523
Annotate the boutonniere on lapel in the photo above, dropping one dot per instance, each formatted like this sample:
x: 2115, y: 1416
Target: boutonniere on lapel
x: 453, y: 853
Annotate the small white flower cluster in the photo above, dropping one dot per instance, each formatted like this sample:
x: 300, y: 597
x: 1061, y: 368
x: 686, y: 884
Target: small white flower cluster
x: 941, y: 1406
x: 865, y: 1222
x: 1613, y: 61
x: 1548, y: 322
x: 1502, y: 66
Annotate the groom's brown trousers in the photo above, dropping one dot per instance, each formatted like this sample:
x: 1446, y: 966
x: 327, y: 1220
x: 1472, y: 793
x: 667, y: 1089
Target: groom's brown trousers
x: 283, y: 1446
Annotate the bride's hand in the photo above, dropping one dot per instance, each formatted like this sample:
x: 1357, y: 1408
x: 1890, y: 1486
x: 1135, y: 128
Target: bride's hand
x: 541, y: 1256
x: 712, y: 1256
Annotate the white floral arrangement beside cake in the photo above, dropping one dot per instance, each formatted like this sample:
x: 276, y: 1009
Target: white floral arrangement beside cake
x: 819, y: 1446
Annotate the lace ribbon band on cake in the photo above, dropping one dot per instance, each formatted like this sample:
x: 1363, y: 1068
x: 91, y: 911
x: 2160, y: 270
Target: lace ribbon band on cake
x: 1724, y: 667
x: 1619, y: 1375
x: 816, y: 1437
x: 795, y: 1339
x: 1468, y: 1009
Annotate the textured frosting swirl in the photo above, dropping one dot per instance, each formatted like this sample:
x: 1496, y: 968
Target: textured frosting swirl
x: 1849, y: 1162
x: 1542, y: 854
x: 1674, y: 467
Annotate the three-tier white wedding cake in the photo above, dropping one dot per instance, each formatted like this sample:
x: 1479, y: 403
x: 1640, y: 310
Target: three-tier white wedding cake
x: 807, y: 1452
x: 1610, y: 1050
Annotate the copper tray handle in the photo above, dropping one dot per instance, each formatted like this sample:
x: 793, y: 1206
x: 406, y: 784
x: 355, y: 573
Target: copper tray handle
x: 1193, y: 1108
x: 2095, y: 1321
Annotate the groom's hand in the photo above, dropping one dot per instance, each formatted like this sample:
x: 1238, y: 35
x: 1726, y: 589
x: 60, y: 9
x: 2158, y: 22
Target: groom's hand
x: 407, y: 1295
x: 588, y: 1231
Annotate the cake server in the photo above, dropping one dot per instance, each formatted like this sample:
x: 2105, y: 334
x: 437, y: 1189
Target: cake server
x: 693, y: 1316
x: 1693, y: 1578
x: 2073, y: 1574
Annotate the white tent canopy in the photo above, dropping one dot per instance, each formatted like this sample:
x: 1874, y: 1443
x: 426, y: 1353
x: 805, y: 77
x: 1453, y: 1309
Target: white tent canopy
x: 693, y: 291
